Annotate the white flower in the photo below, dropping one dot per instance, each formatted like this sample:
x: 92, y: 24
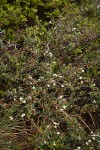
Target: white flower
x: 21, y: 99
x: 41, y: 78
x: 54, y: 84
x: 64, y: 107
x: 54, y: 28
x: 47, y: 64
x: 24, y: 101
x: 93, y: 138
x: 54, y: 143
x: 48, y: 126
x: 58, y: 133
x: 80, y: 78
x: 78, y: 148
x: 94, y: 101
x: 23, y: 115
x: 73, y: 29
x: 50, y: 22
x: 11, y: 118
x: 61, y: 110
x: 50, y: 54
x: 60, y: 97
x: 48, y: 72
x: 82, y: 69
x: 48, y: 85
x: 92, y: 133
x: 81, y: 82
x: 55, y: 123
x: 98, y: 6
x: 33, y: 87
x: 52, y: 81
x: 60, y: 76
x: 55, y: 75
x: 45, y: 142
x: 64, y: 100
x: 94, y: 84
x: 62, y: 85
x: 55, y: 127
x: 29, y: 97
x: 89, y: 141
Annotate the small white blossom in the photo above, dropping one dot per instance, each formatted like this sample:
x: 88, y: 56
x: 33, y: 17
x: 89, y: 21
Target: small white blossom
x: 23, y: 115
x: 94, y: 101
x: 55, y: 75
x: 33, y: 87
x: 48, y: 72
x: 73, y: 29
x: 50, y: 54
x: 54, y: 143
x: 81, y: 82
x: 52, y: 81
x: 11, y: 118
x: 50, y: 22
x: 58, y: 133
x: 80, y: 78
x: 61, y: 96
x: 60, y: 76
x: 47, y: 64
x: 94, y: 84
x: 82, y: 69
x: 24, y: 101
x: 64, y: 100
x: 21, y: 99
x: 48, y: 85
x: 55, y: 127
x: 45, y: 142
x: 98, y: 6
x: 64, y: 107
x: 29, y: 97
x: 78, y: 148
x: 62, y: 85
x: 92, y: 133
x: 61, y: 110
x: 41, y: 78
x: 54, y: 28
x: 55, y: 123
x: 93, y: 138
x: 54, y: 84
x: 89, y: 141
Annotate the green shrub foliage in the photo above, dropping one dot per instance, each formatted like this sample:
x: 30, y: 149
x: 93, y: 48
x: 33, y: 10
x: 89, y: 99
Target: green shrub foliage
x: 49, y: 75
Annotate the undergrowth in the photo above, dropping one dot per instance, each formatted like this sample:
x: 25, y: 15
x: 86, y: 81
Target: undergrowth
x: 50, y: 81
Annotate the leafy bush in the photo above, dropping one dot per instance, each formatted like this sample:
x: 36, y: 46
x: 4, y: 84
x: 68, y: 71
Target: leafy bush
x: 49, y: 80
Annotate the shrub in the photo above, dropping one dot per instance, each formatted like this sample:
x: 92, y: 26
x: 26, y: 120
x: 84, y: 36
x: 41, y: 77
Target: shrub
x: 49, y: 80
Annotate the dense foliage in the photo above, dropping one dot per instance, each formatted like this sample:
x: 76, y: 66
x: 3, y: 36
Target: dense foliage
x: 49, y: 75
